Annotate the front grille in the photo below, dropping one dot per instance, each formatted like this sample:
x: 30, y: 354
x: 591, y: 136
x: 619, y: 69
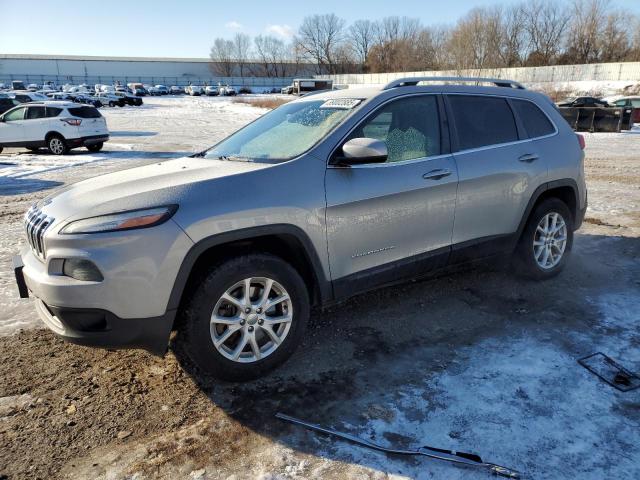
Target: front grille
x: 36, y: 224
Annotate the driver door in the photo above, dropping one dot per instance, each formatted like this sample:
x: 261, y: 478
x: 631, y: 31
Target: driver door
x: 12, y: 126
x: 392, y: 220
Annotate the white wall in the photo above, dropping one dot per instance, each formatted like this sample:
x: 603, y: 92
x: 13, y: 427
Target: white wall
x: 629, y: 71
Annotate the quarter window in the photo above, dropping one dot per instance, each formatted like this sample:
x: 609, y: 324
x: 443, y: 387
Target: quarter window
x: 410, y: 127
x: 535, y: 122
x: 53, y: 111
x: 17, y: 114
x: 482, y: 121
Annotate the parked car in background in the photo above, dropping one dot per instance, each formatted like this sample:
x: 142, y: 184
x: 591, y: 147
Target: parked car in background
x: 163, y: 89
x: 153, y: 91
x: 17, y: 85
x: 137, y: 89
x: 129, y: 99
x: 110, y: 99
x: 194, y: 90
x: 58, y: 126
x: 61, y: 96
x: 633, y: 102
x: 33, y: 87
x: 582, y: 102
x: 26, y: 96
x: 175, y: 238
x: 226, y: 91
x: 7, y: 103
x: 211, y: 91
x: 88, y: 99
x: 176, y: 90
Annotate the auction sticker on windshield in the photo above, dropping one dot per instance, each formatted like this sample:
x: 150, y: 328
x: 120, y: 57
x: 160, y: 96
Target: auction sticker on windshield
x: 342, y: 103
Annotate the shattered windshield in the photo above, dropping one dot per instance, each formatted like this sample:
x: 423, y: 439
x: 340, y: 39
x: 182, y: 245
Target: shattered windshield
x: 285, y: 132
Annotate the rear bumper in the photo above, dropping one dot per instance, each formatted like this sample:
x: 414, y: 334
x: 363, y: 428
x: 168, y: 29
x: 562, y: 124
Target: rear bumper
x: 84, y: 141
x: 100, y: 328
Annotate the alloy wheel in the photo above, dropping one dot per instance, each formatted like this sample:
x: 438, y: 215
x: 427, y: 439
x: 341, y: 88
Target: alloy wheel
x: 251, y: 319
x: 550, y: 240
x: 56, y: 146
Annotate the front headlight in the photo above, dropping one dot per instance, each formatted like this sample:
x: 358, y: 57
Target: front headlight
x: 116, y: 222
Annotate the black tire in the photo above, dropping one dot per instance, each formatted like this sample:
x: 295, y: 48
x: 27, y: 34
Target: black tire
x: 112, y: 104
x: 1, y: 148
x: 96, y: 147
x: 194, y: 336
x: 526, y: 263
x: 57, y: 148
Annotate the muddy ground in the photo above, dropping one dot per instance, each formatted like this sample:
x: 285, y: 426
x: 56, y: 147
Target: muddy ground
x: 480, y: 360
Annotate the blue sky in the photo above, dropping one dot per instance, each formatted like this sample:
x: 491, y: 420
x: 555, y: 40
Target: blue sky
x: 187, y: 28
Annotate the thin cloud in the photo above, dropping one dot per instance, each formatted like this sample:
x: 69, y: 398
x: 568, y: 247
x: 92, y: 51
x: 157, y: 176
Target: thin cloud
x: 282, y: 31
x: 233, y: 25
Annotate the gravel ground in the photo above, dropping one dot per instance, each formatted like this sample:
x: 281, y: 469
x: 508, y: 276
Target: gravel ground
x: 476, y: 361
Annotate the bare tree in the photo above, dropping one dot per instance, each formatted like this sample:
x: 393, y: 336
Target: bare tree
x: 361, y: 37
x: 546, y: 25
x: 241, y: 46
x: 222, y: 57
x: 615, y: 41
x: 475, y: 41
x: 273, y: 55
x: 320, y: 37
x: 584, y: 28
x: 513, y: 36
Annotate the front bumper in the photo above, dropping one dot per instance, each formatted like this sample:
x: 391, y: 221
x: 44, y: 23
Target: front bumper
x: 100, y: 328
x: 129, y: 306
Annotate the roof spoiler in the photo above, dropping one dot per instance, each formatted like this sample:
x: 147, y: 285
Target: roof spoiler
x: 412, y: 81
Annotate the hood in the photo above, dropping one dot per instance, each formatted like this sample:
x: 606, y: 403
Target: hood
x: 164, y: 183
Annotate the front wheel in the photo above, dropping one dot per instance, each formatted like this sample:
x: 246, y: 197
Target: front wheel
x: 546, y: 241
x: 246, y: 317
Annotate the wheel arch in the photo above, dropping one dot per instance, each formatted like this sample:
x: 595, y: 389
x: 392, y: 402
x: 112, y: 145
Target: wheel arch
x: 285, y: 241
x: 51, y: 133
x: 565, y: 189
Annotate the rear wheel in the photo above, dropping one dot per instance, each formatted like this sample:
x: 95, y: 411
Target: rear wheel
x: 546, y: 241
x: 245, y: 318
x: 96, y: 147
x: 112, y: 104
x: 57, y: 145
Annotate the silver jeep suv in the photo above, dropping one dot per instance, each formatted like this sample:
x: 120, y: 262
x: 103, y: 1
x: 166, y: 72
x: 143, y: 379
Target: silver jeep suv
x: 324, y: 197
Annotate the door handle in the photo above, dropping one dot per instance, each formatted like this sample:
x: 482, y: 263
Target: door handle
x: 437, y: 174
x: 528, y: 157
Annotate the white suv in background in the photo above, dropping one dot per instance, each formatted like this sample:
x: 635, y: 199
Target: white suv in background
x: 58, y: 126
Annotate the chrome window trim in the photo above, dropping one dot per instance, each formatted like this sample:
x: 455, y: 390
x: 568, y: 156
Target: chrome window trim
x: 385, y: 164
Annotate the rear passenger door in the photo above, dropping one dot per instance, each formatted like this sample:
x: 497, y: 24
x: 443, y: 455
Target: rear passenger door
x: 36, y: 125
x: 499, y: 168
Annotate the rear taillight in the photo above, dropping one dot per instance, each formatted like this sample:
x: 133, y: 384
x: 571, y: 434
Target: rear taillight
x: 72, y: 121
x: 581, y: 141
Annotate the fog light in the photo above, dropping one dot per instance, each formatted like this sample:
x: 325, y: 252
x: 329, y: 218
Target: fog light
x: 82, y: 269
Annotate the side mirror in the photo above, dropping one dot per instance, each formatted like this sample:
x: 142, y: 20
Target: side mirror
x: 363, y: 150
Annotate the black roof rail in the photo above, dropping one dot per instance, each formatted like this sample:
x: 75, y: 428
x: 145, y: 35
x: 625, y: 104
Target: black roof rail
x: 412, y: 81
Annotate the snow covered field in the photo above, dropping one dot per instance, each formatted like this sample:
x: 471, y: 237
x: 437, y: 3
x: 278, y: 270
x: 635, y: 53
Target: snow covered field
x: 480, y: 361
